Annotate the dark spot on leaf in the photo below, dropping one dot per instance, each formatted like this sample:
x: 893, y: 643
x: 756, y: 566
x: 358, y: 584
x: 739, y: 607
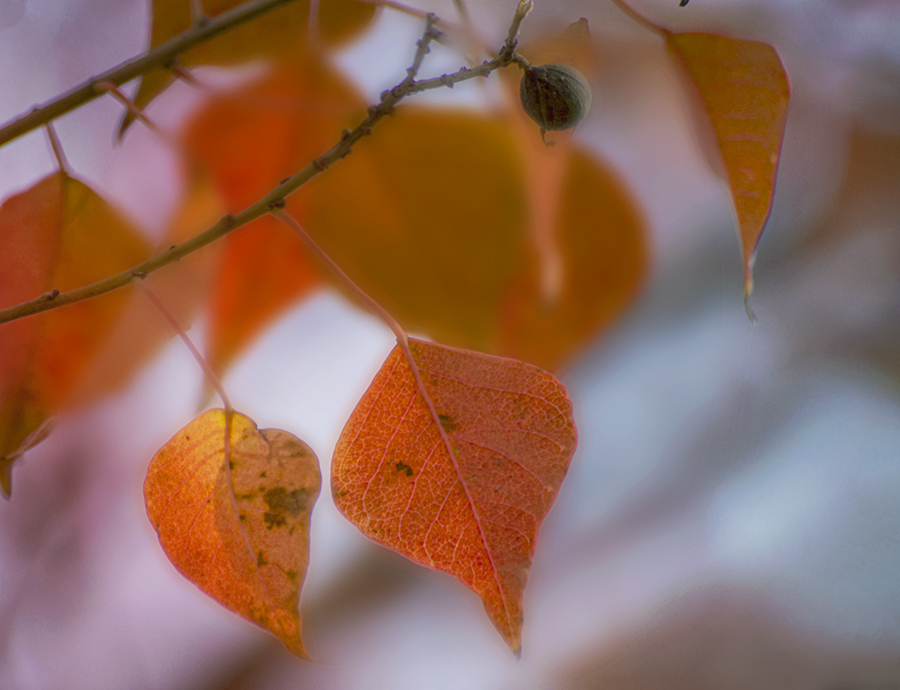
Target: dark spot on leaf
x: 262, y: 475
x: 448, y: 422
x: 403, y: 467
x: 292, y: 574
x: 274, y: 520
x: 231, y: 464
x: 260, y: 560
x: 243, y: 517
x: 282, y: 501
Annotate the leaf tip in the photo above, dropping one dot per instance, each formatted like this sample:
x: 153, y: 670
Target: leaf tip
x: 747, y: 307
x: 5, y: 478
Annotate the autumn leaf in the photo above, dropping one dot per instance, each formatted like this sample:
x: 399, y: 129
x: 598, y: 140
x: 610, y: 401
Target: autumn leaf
x: 602, y: 259
x: 57, y: 235
x: 237, y: 526
x: 250, y: 140
x: 744, y: 93
x: 448, y: 202
x: 279, y: 32
x: 453, y: 459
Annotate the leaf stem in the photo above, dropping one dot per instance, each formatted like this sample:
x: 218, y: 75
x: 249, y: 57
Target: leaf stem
x: 368, y: 301
x: 135, y: 67
x: 638, y: 18
x: 275, y: 199
x: 136, y: 112
x: 200, y: 359
x: 58, y: 151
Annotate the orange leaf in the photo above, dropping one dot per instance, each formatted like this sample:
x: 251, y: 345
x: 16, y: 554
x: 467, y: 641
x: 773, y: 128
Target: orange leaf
x: 275, y: 33
x: 444, y: 202
x: 250, y: 140
x: 744, y: 92
x: 57, y: 235
x: 602, y: 254
x: 243, y: 539
x: 454, y: 460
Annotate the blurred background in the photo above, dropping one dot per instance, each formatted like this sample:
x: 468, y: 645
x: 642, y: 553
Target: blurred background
x: 730, y: 519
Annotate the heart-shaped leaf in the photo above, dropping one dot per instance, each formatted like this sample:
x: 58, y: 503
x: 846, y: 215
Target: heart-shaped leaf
x: 235, y: 520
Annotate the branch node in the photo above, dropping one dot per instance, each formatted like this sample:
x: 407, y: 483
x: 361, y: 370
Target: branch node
x: 138, y: 275
x: 47, y: 296
x: 346, y: 133
x: 227, y: 220
x: 320, y: 163
x: 278, y: 203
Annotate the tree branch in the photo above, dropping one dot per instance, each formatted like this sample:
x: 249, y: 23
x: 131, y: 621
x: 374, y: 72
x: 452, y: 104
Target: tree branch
x: 275, y: 199
x: 137, y: 66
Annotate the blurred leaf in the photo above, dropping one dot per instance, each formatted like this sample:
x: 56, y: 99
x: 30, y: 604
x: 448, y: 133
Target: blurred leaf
x: 428, y: 216
x: 250, y: 140
x: 57, y: 235
x: 276, y: 33
x: 603, y: 261
x: 745, y: 94
x: 457, y: 471
x: 243, y: 539
x: 182, y: 286
x: 443, y: 218
x: 264, y: 270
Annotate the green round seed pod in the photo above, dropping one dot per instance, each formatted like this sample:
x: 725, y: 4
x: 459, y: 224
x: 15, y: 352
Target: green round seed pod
x: 555, y: 96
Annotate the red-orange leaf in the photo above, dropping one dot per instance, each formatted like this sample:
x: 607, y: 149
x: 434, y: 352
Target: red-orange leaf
x: 58, y: 235
x: 244, y: 538
x: 745, y: 94
x: 457, y: 470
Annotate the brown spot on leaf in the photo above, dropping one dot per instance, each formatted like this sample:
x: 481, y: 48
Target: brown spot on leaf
x: 448, y: 422
x: 274, y: 520
x: 403, y: 467
x: 261, y: 560
x: 280, y: 500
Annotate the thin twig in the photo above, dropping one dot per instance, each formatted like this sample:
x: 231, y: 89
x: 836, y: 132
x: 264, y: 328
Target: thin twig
x: 275, y: 198
x: 137, y: 66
